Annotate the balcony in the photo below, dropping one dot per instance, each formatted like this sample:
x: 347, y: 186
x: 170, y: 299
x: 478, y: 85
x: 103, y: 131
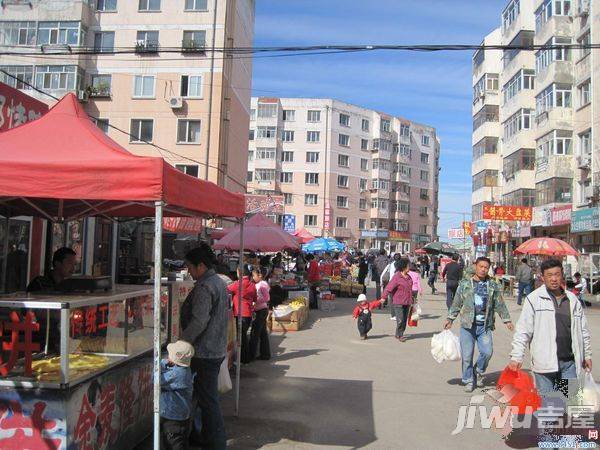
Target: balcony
x: 266, y: 163
x: 557, y: 26
x: 403, y: 196
x: 486, y: 98
x: 379, y: 213
x: 145, y: 46
x: 523, y: 179
x: 553, y: 119
x: 486, y: 129
x: 399, y: 215
x: 553, y: 166
x: 557, y: 72
x: 403, y: 177
x: 339, y: 232
x: 491, y: 161
x: 100, y: 91
x: 582, y: 69
x: 192, y: 46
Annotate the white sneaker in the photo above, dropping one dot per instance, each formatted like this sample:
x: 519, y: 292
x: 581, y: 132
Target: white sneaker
x: 392, y: 318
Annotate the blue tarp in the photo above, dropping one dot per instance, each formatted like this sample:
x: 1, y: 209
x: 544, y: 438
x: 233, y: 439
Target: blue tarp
x: 323, y: 245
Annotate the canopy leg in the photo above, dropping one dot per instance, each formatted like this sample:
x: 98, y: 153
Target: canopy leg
x: 238, y: 355
x: 157, y: 286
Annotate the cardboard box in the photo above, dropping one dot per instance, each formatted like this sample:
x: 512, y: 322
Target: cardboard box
x: 293, y: 322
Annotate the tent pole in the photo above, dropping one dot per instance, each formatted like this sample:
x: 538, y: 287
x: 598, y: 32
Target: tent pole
x: 238, y: 355
x: 157, y: 286
x: 5, y: 254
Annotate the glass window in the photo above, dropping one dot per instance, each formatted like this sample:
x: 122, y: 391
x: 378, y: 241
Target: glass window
x: 385, y: 125
x: 485, y: 178
x: 17, y: 33
x: 58, y: 33
x: 488, y: 113
x: 313, y: 136
x: 267, y: 110
x: 289, y: 115
x: 557, y: 142
x: 404, y: 130
x: 147, y: 40
x: 311, y: 178
x: 310, y: 199
x: 24, y: 76
x: 188, y: 169
x: 424, y: 175
x: 264, y: 175
x: 266, y: 153
x: 143, y: 86
x: 510, y: 13
x: 585, y: 41
x: 364, y: 164
x: 585, y: 143
x: 100, y: 86
x: 288, y: 199
x: 106, y: 5
x: 425, y: 140
x: 341, y: 222
x: 554, y: 52
x: 343, y: 161
x: 313, y: 116
x: 523, y: 80
x: 521, y: 120
x: 520, y: 197
x: 584, y: 93
x: 362, y: 223
x: 266, y: 132
x: 522, y: 159
x: 365, y: 125
x: 104, y: 41
x: 191, y: 86
x: 287, y: 156
x: 251, y: 135
x: 149, y: 5
x: 342, y: 181
x: 362, y: 184
x: 188, y: 131
x: 344, y: 140
x: 310, y: 220
x: 312, y: 157
x: 250, y: 155
x: 56, y: 77
x: 342, y: 201
x: 141, y: 130
x: 103, y: 124
x: 424, y: 194
x: 344, y: 120
x: 195, y: 39
x: 364, y: 144
x: 250, y: 176
x: 424, y: 158
x: 286, y: 177
x: 287, y: 136
x: 196, y: 5
x: 554, y: 190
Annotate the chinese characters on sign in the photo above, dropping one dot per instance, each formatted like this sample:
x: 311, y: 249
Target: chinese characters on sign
x: 264, y: 204
x: 498, y: 212
x: 17, y: 108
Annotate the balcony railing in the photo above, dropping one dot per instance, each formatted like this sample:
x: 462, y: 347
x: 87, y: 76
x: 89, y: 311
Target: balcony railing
x: 192, y: 46
x: 144, y: 46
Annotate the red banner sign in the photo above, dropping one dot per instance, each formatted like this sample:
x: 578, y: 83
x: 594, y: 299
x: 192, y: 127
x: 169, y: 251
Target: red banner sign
x: 561, y: 215
x: 17, y: 108
x: 399, y: 236
x: 500, y: 212
x: 264, y: 204
x: 468, y: 227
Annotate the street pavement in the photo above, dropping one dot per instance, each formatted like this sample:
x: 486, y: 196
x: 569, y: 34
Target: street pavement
x: 325, y: 388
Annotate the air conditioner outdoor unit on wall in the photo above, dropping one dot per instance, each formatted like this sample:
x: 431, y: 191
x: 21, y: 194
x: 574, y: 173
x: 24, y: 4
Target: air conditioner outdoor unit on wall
x: 176, y: 102
x: 82, y: 96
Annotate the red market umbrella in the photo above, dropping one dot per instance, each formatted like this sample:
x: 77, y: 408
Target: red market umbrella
x: 545, y: 246
x: 303, y: 235
x: 260, y: 235
x: 420, y: 251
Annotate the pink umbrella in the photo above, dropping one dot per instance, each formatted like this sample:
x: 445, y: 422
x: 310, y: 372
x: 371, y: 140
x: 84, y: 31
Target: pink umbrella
x: 303, y: 235
x: 260, y: 235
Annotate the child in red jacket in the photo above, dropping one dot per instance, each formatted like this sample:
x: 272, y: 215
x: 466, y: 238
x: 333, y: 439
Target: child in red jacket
x: 362, y: 312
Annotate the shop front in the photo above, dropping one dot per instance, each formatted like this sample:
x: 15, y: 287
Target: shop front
x: 552, y: 221
x: 585, y: 228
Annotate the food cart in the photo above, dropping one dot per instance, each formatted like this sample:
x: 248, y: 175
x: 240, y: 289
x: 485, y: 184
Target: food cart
x: 103, y: 180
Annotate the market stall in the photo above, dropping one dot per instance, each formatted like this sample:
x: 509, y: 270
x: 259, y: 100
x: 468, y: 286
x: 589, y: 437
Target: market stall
x: 61, y: 167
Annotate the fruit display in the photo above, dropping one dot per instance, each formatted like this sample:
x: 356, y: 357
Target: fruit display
x: 79, y: 364
x: 298, y: 302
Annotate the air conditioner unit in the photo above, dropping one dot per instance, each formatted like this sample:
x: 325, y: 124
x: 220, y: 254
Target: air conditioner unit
x: 584, y: 162
x: 82, y: 96
x: 176, y: 102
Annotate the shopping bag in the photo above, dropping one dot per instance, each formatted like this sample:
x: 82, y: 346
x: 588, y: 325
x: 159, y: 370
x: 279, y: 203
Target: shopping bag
x: 518, y: 390
x: 224, y: 380
x: 413, y: 318
x: 591, y: 393
x: 445, y: 346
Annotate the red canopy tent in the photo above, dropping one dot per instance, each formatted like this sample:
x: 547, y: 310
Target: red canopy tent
x: 303, y: 235
x: 260, y: 234
x: 62, y: 167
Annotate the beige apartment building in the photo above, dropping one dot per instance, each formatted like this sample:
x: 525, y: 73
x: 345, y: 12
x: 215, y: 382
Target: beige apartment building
x: 547, y: 155
x: 364, y: 177
x: 151, y: 73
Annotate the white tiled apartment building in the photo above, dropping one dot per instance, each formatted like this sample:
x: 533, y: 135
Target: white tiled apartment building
x: 361, y: 176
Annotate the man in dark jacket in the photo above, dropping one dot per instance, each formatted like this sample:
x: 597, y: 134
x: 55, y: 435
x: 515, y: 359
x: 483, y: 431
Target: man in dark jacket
x: 453, y: 273
x: 379, y: 265
x: 363, y: 270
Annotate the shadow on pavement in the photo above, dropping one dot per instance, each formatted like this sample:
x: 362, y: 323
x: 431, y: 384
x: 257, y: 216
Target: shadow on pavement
x: 412, y: 336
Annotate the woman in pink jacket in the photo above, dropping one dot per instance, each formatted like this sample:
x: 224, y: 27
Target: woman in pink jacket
x: 261, y: 312
x: 417, y: 289
x: 400, y: 286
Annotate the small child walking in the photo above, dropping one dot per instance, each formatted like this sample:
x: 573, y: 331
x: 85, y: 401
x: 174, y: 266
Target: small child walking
x: 362, y: 312
x: 176, y: 389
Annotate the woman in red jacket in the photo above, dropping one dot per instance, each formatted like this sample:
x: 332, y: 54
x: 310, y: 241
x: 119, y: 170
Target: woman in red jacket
x: 248, y: 298
x: 314, y: 280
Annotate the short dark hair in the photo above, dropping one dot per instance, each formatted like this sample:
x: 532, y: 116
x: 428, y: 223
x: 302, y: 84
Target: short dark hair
x: 413, y: 267
x: 397, y: 256
x: 455, y: 257
x: 382, y: 252
x: 61, y: 254
x: 484, y: 259
x: 550, y: 264
x: 262, y: 271
x: 201, y: 254
x: 401, y: 264
x: 524, y: 260
x: 577, y: 275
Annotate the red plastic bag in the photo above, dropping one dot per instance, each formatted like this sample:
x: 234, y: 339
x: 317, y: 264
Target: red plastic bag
x: 410, y: 322
x: 518, y: 386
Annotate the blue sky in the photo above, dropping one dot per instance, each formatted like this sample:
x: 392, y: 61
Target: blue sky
x: 431, y: 88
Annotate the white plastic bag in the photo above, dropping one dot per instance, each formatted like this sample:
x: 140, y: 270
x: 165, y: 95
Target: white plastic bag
x: 416, y: 313
x: 282, y: 311
x: 591, y: 393
x: 224, y: 381
x: 445, y: 346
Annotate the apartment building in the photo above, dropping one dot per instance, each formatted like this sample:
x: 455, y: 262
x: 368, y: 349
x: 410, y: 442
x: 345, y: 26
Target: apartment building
x: 151, y: 74
x: 364, y: 177
x: 547, y: 114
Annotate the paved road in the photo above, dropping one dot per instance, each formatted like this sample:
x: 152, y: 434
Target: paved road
x: 325, y: 388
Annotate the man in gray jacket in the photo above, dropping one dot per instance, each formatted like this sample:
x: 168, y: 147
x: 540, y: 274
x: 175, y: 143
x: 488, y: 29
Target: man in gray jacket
x: 554, y: 328
x: 524, y: 276
x: 204, y: 320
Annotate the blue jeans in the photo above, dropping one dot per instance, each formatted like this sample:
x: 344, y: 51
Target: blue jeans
x: 468, y: 337
x: 523, y: 288
x: 206, y: 397
x: 546, y: 383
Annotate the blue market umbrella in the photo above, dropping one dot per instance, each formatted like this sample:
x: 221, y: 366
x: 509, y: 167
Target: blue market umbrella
x: 323, y: 245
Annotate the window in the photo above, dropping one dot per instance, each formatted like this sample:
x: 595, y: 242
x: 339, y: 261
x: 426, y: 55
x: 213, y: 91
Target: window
x: 191, y: 86
x: 342, y: 181
x: 104, y: 41
x: 310, y: 220
x: 380, y: 183
x: 342, y: 201
x: 289, y: 115
x: 364, y: 164
x: 250, y: 155
x: 310, y: 199
x: 404, y: 207
x: 424, y: 175
x: 149, y: 5
x: 17, y: 33
x: 423, y: 211
x: 267, y: 110
x: 266, y: 132
x: 405, y: 170
x: 141, y: 130
x: 365, y: 125
x: 424, y: 194
x: 287, y: 136
x: 251, y: 135
x: 59, y: 33
x: 313, y: 116
x: 344, y: 140
x: 522, y: 159
x: 103, y: 124
x: 311, y: 178
x: 344, y: 120
x: 191, y: 170
x: 362, y: 223
x: 522, y: 80
x: 343, y: 161
x: 510, y: 13
x: 362, y: 184
x: 23, y: 73
x: 485, y: 178
x: 404, y: 130
x: 423, y: 229
x: 264, y: 175
x: 523, y: 39
x: 364, y: 144
x: 379, y: 203
x: 584, y: 93
x: 404, y: 150
x: 585, y: 41
x: 312, y: 157
x: 266, y: 153
x: 520, y: 197
x: 546, y: 56
x: 425, y: 140
x: 56, y: 77
x: 554, y: 96
x: 585, y: 143
x: 313, y: 136
x: 288, y: 199
x: 196, y: 5
x: 286, y: 177
x: 341, y: 222
x: 252, y: 114
x: 143, y: 86
x: 188, y: 131
x: 521, y: 120
x: 100, y: 85
x: 250, y: 176
x: 557, y: 142
x: 553, y: 190
x: 381, y: 164
x: 385, y: 125
x: 551, y: 8
x: 487, y: 83
x: 194, y: 39
x: 424, y: 158
x: 287, y: 156
x: 489, y: 113
x: 147, y: 40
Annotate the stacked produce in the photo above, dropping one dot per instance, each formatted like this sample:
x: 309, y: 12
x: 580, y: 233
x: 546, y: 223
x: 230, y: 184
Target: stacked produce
x: 79, y: 364
x: 298, y: 302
